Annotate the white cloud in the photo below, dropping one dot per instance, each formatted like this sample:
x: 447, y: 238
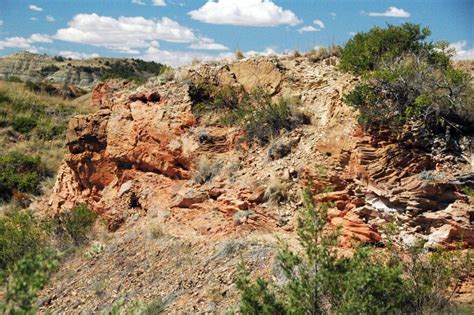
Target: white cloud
x: 33, y: 19
x: 160, y: 3
x: 245, y: 13
x: 319, y: 23
x: 267, y: 52
x: 124, y: 34
x: 308, y: 29
x: 205, y: 43
x: 33, y: 7
x: 40, y: 38
x: 180, y: 58
x: 1, y: 22
x: 77, y: 55
x: 332, y: 14
x: 461, y: 53
x: 140, y: 2
x: 50, y: 18
x: 392, y: 12
x: 25, y: 43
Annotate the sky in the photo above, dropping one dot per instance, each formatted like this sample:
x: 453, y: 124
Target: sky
x: 176, y: 32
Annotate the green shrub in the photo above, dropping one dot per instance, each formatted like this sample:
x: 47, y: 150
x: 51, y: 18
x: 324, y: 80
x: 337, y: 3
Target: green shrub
x: 318, y: 280
x: 255, y: 112
x: 468, y: 191
x: 266, y: 120
x: 46, y: 70
x: 75, y: 225
x: 19, y: 172
x: 407, y: 81
x: 19, y: 235
x: 137, y: 70
x: 366, y: 51
x: 24, y: 124
x: 59, y: 58
x: 210, y: 98
x: 14, y: 79
x: 27, y: 276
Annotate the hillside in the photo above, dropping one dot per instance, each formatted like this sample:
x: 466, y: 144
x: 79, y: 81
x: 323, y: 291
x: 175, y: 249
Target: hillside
x: 84, y: 73
x: 184, y: 194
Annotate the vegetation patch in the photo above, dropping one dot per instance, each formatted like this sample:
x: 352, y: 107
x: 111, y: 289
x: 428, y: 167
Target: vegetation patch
x: 19, y: 173
x: 256, y: 113
x: 408, y: 81
x: 318, y: 280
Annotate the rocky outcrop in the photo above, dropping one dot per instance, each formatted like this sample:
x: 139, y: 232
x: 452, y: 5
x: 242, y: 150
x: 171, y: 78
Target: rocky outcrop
x: 166, y: 182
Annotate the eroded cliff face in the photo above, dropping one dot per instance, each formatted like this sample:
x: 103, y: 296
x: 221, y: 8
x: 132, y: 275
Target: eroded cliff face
x: 32, y: 67
x: 134, y: 161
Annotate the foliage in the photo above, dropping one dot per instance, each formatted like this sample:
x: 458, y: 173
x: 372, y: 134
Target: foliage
x: 367, y: 51
x: 135, y: 70
x: 46, y: 70
x: 19, y: 173
x: 75, y: 225
x: 35, y: 124
x: 19, y: 235
x: 468, y: 191
x: 59, y: 58
x: 259, y: 116
x: 209, y: 98
x: 320, y: 280
x: 14, y: 79
x: 407, y: 81
x: 24, y: 124
x: 27, y: 276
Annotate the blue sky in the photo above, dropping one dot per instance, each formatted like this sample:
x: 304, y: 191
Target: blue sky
x: 178, y: 31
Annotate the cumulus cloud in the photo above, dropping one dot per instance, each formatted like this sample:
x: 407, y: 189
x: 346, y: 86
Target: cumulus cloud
x: 309, y: 28
x: 392, y: 12
x: 140, y: 2
x: 319, y: 23
x: 244, y: 13
x: 77, y: 55
x: 180, y: 58
x: 130, y: 34
x: 123, y: 33
x: 50, y: 18
x: 160, y: 3
x: 23, y: 42
x: 461, y: 51
x: 266, y: 52
x: 33, y: 7
x: 205, y: 43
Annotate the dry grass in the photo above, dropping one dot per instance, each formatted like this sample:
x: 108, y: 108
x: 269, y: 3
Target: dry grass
x: 206, y: 170
x: 276, y: 191
x: 239, y: 54
x: 321, y: 53
x: 16, y: 100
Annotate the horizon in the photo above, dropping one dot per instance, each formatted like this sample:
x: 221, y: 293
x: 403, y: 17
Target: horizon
x: 177, y: 32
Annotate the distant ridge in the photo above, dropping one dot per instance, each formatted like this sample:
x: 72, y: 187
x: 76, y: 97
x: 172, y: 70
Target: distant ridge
x: 84, y: 73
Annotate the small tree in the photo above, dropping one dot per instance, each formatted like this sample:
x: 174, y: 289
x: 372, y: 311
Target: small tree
x: 319, y: 280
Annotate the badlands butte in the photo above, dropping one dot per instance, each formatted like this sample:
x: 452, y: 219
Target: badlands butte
x: 184, y: 197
